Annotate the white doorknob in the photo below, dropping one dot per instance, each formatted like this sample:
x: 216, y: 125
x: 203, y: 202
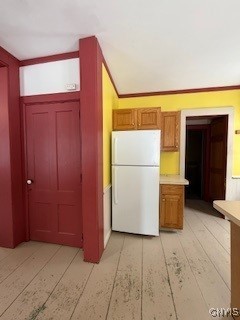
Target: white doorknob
x: 29, y: 181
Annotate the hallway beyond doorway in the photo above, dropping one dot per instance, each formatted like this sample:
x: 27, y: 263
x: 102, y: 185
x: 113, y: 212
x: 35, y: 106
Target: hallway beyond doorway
x: 206, y: 157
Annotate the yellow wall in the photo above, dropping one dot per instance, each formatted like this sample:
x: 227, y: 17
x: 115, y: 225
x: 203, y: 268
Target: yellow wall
x: 170, y: 160
x: 110, y: 101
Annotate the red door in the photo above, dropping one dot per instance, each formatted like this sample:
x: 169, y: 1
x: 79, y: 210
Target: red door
x: 54, y: 173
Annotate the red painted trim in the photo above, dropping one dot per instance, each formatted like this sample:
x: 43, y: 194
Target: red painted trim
x: 6, y: 216
x: 110, y: 76
x: 163, y: 93
x: 12, y: 226
x: 92, y: 148
x: 7, y: 55
x: 24, y: 167
x: 52, y: 58
x: 49, y: 98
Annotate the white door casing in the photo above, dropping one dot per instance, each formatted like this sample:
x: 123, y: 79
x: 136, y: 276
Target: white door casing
x: 221, y: 111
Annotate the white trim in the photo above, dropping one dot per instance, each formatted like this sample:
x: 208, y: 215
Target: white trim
x: 107, y: 237
x: 107, y: 213
x: 107, y: 188
x: 210, y: 112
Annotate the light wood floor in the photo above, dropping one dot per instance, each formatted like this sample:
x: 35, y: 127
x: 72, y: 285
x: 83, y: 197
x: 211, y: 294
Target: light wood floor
x: 179, y: 275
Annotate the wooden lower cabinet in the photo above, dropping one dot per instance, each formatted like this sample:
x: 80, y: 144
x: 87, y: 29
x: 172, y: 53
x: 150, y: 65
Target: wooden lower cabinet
x: 171, y: 206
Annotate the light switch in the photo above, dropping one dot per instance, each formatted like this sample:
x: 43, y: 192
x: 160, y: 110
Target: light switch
x: 71, y: 86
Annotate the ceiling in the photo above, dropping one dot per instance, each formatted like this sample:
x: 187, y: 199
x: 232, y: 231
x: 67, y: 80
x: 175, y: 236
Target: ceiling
x: 152, y: 45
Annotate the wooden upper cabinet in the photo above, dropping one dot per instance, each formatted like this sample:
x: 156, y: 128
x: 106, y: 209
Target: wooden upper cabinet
x: 149, y: 118
x: 124, y: 119
x: 139, y: 118
x: 170, y: 131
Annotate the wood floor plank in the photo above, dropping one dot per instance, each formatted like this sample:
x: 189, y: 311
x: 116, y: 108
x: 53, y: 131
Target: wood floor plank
x: 224, y: 223
x: 4, y: 252
x: 32, y: 300
x: 206, y: 209
x: 11, y: 287
x: 157, y: 302
x: 220, y: 234
x: 176, y: 276
x: 126, y: 297
x: 65, y: 296
x: 187, y: 296
x: 213, y: 288
x: 17, y: 257
x: 94, y: 301
x: 219, y: 257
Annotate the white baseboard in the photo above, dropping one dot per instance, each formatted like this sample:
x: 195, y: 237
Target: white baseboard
x: 107, y: 188
x: 107, y: 213
x: 107, y: 237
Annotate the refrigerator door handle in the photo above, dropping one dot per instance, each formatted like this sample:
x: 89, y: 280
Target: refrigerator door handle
x: 115, y: 186
x: 115, y: 149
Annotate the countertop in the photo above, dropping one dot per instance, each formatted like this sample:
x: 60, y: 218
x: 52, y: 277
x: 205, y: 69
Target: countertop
x: 173, y: 179
x: 230, y: 209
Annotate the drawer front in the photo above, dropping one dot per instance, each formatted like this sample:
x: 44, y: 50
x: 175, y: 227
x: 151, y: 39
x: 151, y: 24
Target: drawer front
x: 172, y: 189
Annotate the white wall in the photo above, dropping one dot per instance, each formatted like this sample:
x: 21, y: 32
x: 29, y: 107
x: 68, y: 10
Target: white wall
x: 235, y: 189
x: 50, y: 77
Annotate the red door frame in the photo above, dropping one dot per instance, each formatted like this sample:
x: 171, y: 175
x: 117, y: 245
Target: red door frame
x: 5, y: 154
x: 206, y: 159
x: 12, y: 226
x: 91, y: 60
x: 31, y: 100
x: 225, y: 124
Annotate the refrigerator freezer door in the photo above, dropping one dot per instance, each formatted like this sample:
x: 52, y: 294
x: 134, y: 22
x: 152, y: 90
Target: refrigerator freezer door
x: 135, y: 200
x: 137, y: 148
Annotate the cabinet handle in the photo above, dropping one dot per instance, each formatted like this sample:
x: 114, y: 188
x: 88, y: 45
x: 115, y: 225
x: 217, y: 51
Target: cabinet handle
x: 163, y: 199
x: 133, y: 123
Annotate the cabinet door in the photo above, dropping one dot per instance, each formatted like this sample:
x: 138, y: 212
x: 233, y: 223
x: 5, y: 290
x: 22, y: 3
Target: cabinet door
x: 149, y: 118
x: 171, y: 207
x: 170, y: 131
x: 124, y: 119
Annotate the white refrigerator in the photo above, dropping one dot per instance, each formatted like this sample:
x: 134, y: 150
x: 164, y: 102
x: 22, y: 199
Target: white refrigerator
x: 135, y: 181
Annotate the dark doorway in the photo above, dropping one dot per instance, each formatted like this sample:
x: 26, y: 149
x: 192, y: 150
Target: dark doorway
x: 194, y: 163
x: 206, y: 154
x: 197, y: 138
